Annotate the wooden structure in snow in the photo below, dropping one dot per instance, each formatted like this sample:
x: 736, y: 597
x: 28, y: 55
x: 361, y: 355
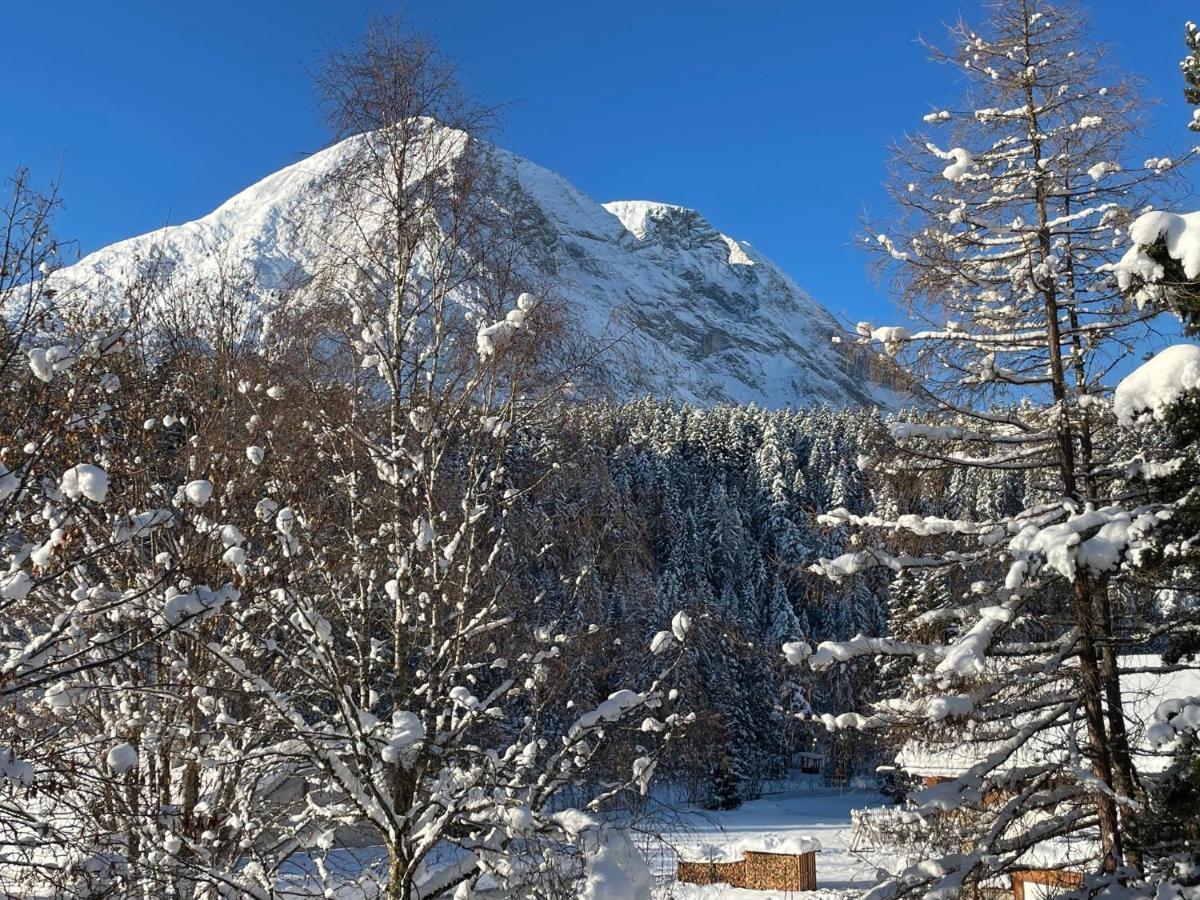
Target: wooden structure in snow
x: 780, y: 871
x: 772, y: 864
x: 1145, y: 685
x: 809, y: 763
x: 1056, y: 865
x: 1035, y: 884
x: 732, y: 873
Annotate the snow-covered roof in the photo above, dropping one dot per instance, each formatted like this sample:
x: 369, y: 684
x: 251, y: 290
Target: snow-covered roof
x: 1144, y: 687
x: 1077, y: 851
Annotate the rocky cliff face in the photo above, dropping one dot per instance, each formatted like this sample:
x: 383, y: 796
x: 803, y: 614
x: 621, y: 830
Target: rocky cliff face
x: 699, y: 315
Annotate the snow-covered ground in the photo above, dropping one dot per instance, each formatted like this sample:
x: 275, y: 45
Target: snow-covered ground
x: 823, y: 814
x: 819, y: 813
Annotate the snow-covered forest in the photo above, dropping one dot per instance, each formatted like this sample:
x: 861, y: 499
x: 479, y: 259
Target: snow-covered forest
x: 337, y: 561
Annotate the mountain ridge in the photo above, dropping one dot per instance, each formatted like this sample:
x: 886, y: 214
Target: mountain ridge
x: 705, y: 318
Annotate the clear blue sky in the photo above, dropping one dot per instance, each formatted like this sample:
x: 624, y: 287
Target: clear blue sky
x: 771, y: 118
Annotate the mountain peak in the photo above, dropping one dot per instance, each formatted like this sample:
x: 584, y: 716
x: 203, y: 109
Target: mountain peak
x: 677, y: 227
x: 703, y: 317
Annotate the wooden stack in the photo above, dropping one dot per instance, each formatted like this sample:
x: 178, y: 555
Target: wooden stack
x: 730, y: 873
x: 781, y: 871
x: 757, y: 871
x: 1059, y: 881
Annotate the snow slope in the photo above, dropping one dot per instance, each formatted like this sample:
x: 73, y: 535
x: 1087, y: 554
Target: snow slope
x: 700, y: 316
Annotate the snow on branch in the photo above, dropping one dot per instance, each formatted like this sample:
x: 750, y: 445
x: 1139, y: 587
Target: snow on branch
x: 1157, y: 383
x: 1099, y: 539
x: 829, y: 652
x: 1180, y: 235
x: 961, y: 161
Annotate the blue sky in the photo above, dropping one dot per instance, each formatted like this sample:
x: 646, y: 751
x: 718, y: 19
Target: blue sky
x: 771, y: 118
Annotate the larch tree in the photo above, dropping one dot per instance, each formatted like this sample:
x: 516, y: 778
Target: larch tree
x: 1007, y: 225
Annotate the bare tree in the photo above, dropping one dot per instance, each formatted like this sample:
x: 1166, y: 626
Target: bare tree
x: 1003, y: 246
x: 416, y: 679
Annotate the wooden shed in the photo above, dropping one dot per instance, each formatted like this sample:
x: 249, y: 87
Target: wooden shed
x: 809, y: 763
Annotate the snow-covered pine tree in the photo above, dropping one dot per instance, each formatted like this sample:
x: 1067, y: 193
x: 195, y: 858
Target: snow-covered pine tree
x: 1159, y: 403
x: 1191, y: 72
x: 1001, y: 248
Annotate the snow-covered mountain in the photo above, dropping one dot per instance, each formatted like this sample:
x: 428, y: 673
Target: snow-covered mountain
x: 701, y: 316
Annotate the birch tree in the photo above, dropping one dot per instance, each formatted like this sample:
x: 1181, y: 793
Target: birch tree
x: 390, y: 641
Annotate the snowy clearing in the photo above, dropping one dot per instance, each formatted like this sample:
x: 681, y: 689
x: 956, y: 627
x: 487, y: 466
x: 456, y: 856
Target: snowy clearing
x: 823, y: 814
x: 790, y: 815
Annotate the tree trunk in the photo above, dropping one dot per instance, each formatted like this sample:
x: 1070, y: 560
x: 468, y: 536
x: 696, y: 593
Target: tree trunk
x: 1124, y: 775
x: 1125, y: 779
x: 1090, y: 682
x: 398, y: 887
x: 1093, y: 709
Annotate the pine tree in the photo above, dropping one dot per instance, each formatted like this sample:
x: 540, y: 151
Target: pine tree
x: 1160, y: 405
x: 1191, y: 72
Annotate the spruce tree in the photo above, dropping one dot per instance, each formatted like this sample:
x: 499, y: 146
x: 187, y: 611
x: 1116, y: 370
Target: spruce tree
x: 1191, y: 72
x: 1160, y: 405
